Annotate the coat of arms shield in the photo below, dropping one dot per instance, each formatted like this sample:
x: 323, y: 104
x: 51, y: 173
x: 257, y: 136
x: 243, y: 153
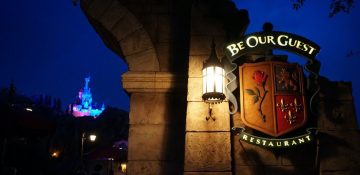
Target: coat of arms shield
x: 272, y: 97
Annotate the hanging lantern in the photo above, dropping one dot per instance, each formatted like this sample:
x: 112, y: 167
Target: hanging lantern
x: 213, y: 79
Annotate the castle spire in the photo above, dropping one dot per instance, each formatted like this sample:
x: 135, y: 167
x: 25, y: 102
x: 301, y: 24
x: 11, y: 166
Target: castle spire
x: 87, y: 80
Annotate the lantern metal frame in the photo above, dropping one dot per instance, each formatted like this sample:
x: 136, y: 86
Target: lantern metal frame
x: 213, y: 75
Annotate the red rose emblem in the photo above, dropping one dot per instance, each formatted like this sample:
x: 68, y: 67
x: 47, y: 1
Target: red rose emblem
x: 259, y: 77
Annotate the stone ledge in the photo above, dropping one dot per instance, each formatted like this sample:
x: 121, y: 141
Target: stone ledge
x: 153, y: 82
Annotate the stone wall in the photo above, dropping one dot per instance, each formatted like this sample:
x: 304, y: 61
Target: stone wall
x: 152, y: 37
x: 207, y: 142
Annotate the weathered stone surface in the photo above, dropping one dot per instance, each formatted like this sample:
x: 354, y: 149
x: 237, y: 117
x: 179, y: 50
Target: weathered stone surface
x: 155, y: 108
x: 339, y: 151
x: 126, y: 26
x: 136, y: 42
x: 153, y: 167
x: 198, y: 23
x: 291, y: 156
x: 194, y: 90
x: 197, y: 113
x: 155, y: 142
x: 138, y: 81
x: 201, y: 45
x: 163, y: 51
x: 143, y: 81
x: 196, y: 65
x: 143, y: 61
x: 165, y: 81
x: 207, y: 173
x: 96, y: 8
x: 164, y: 28
x: 113, y: 14
x: 337, y: 115
x: 289, y: 170
x: 335, y: 90
x: 236, y: 120
x: 207, y: 151
x: 248, y: 170
x: 248, y: 154
x: 271, y: 170
x: 340, y: 172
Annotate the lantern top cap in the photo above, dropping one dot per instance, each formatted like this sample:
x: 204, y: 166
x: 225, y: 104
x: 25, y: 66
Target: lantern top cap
x: 213, y: 60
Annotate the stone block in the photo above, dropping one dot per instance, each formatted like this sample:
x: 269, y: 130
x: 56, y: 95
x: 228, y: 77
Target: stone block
x: 155, y: 82
x: 207, y: 173
x: 248, y: 154
x: 143, y: 61
x: 194, y: 90
x: 163, y: 53
x: 136, y: 42
x: 167, y: 82
x: 125, y: 26
x: 205, y: 25
x: 201, y: 45
x: 335, y: 90
x: 162, y: 8
x: 154, y: 167
x: 138, y: 80
x: 339, y: 151
x: 98, y: 7
x: 198, y: 111
x: 337, y: 115
x: 289, y: 170
x: 114, y: 13
x: 155, y: 142
x: 157, y: 108
x: 236, y: 120
x: 291, y: 156
x: 248, y: 170
x: 196, y: 65
x: 164, y: 29
x: 340, y: 172
x: 207, y: 151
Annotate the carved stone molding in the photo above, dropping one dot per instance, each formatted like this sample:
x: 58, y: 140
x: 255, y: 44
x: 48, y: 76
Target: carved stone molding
x: 135, y: 82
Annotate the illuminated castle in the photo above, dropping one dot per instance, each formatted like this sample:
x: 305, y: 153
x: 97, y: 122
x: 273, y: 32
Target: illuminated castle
x: 83, y: 105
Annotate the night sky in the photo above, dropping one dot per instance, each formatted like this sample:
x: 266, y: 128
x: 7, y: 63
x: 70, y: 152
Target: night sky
x: 48, y: 47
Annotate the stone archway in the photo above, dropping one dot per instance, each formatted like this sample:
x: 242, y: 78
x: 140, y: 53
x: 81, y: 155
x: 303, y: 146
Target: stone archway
x: 122, y: 32
x: 157, y: 92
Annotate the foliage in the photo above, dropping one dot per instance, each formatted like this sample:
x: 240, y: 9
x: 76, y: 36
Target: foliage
x: 336, y: 6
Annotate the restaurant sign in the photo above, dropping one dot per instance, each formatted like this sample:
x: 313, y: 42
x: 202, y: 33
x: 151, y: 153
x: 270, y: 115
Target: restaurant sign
x: 272, y: 93
x: 309, y: 136
x: 273, y: 40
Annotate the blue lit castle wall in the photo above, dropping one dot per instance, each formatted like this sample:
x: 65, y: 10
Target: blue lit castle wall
x: 83, y: 105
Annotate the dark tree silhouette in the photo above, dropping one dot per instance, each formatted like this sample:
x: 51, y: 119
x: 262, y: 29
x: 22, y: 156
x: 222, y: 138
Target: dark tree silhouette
x: 336, y: 6
x: 12, y: 92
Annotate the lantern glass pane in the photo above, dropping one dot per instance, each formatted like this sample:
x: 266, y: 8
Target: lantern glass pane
x: 210, y: 79
x: 204, y: 81
x: 218, y: 79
